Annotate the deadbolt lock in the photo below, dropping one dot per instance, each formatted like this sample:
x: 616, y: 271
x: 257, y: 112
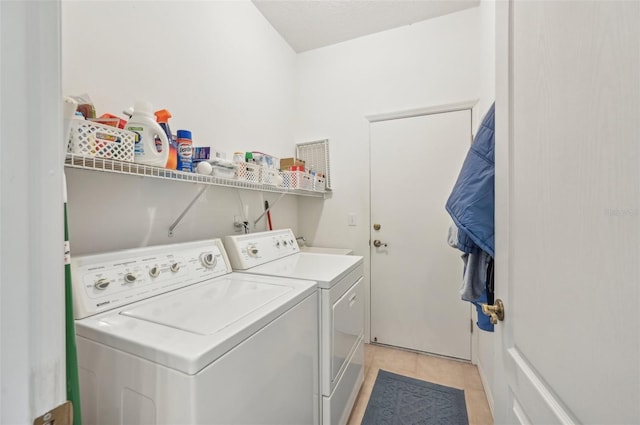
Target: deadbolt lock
x: 376, y: 226
x: 495, y: 312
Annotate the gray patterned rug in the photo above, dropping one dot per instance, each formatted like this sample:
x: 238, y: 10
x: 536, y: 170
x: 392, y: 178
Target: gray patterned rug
x: 400, y: 400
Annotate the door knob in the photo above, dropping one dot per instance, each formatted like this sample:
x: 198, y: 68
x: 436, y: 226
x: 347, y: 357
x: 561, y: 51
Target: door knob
x: 378, y: 244
x: 495, y: 312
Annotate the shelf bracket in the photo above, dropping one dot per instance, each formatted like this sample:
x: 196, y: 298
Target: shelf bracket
x: 186, y: 210
x: 268, y: 209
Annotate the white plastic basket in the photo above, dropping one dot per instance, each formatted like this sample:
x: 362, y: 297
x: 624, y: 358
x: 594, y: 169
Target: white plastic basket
x: 248, y: 171
x: 297, y: 180
x: 93, y: 139
x: 269, y: 176
x: 318, y: 183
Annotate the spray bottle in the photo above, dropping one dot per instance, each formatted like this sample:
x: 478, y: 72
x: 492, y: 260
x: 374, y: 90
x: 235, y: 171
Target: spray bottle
x: 162, y: 116
x: 145, y: 126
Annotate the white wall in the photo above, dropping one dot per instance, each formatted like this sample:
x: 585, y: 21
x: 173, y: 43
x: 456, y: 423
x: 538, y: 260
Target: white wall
x: 440, y: 61
x: 220, y: 69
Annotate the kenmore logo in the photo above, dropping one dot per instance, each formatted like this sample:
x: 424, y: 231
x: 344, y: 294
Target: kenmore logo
x: 103, y: 303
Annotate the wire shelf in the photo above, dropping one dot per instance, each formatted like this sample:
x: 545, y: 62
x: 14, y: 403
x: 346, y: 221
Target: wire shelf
x: 131, y: 168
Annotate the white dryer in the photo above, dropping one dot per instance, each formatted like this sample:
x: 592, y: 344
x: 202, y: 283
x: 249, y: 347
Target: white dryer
x: 169, y: 335
x: 339, y: 277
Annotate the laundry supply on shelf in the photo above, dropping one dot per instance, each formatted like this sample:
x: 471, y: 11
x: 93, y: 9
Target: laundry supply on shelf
x: 200, y: 153
x: 85, y: 106
x: 238, y: 157
x: 204, y: 167
x: 110, y: 119
x: 143, y: 123
x: 222, y: 168
x: 92, y: 139
x: 266, y: 160
x: 162, y: 117
x: 287, y: 163
x: 185, y: 151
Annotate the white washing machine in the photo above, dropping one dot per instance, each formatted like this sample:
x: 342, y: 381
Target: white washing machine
x: 339, y: 277
x: 169, y: 335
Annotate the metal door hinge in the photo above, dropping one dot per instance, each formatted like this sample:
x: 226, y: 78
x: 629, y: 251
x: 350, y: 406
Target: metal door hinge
x: 61, y: 415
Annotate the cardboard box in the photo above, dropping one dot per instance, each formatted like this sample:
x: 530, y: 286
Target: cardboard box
x: 287, y: 163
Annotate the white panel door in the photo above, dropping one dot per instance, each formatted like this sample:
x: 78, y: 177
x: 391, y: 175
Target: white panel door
x: 567, y: 216
x: 415, y: 277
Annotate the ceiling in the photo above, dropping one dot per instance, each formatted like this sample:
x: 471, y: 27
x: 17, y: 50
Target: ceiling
x: 310, y: 24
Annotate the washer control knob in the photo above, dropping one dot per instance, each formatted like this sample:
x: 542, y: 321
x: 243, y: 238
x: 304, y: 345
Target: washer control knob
x: 129, y: 278
x: 208, y: 260
x: 252, y: 251
x: 174, y: 267
x: 278, y: 244
x: 101, y: 283
x: 284, y: 243
x: 154, y: 271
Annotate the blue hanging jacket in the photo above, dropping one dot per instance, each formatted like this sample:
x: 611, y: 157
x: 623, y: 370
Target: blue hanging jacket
x: 471, y: 206
x: 471, y: 203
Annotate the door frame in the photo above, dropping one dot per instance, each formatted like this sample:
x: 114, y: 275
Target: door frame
x: 32, y: 297
x: 503, y: 173
x: 427, y: 110
x: 471, y: 104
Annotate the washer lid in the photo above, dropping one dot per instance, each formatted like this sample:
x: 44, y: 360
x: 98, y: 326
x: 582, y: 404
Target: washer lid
x: 208, y: 308
x: 189, y: 328
x: 326, y: 269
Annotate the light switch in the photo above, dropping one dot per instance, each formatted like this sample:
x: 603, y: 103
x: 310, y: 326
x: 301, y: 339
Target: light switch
x: 351, y: 219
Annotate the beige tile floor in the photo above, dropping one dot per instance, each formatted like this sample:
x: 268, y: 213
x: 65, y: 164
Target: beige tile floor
x: 438, y: 370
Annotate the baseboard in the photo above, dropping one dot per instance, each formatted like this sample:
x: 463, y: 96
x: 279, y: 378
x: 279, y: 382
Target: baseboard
x: 487, y: 388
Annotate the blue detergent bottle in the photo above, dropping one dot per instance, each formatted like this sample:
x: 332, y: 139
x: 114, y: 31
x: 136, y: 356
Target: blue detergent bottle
x: 185, y: 150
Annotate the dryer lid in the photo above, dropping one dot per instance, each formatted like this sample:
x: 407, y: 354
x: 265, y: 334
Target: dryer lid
x: 326, y: 269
